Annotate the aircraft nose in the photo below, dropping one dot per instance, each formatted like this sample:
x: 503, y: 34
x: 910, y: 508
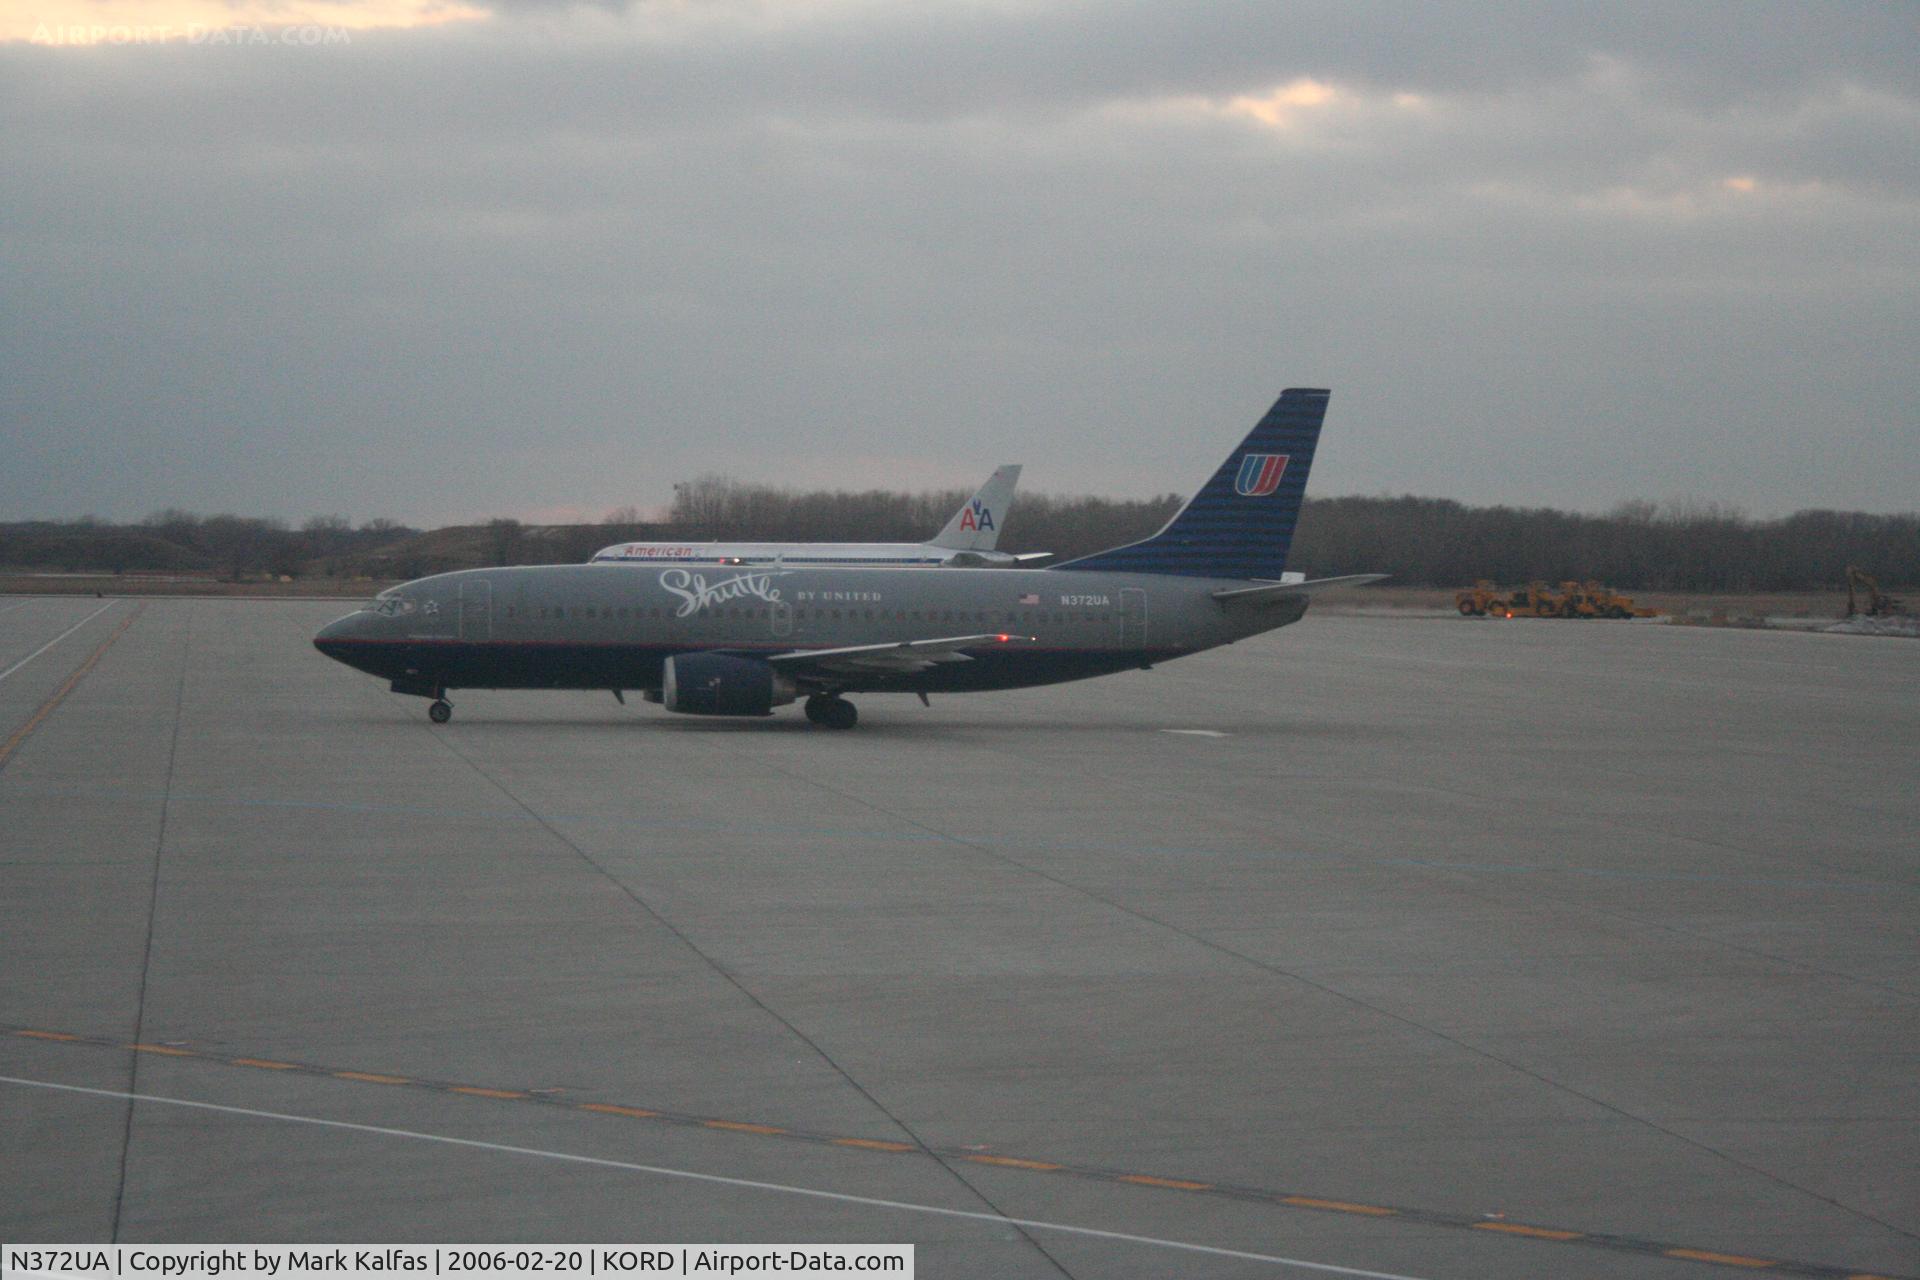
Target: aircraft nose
x: 334, y: 638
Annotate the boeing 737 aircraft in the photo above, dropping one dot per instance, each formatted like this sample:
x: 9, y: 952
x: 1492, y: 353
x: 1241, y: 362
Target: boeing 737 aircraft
x: 742, y: 642
x: 967, y: 541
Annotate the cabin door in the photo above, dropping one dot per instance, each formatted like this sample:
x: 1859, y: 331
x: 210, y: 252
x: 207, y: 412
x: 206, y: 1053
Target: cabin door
x: 476, y: 609
x: 1133, y: 618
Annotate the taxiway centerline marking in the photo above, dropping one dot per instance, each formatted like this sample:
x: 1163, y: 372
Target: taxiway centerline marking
x: 68, y: 685
x: 750, y: 1184
x: 1242, y: 1194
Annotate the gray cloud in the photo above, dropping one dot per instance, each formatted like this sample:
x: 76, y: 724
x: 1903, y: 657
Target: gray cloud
x: 569, y: 256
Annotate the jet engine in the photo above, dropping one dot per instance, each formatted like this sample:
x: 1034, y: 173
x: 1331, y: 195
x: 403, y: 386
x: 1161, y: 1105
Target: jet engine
x: 719, y: 684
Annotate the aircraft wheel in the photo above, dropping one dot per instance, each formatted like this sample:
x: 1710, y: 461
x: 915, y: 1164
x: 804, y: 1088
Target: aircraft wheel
x: 812, y: 707
x: 440, y: 712
x: 838, y: 713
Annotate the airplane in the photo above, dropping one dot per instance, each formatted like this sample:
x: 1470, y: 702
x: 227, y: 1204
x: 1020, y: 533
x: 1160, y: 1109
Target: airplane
x: 967, y: 541
x: 742, y: 642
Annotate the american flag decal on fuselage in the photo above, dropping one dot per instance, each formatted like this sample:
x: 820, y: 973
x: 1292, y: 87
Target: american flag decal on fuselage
x: 1259, y: 474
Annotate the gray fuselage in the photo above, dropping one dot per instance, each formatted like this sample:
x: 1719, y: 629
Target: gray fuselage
x: 612, y: 626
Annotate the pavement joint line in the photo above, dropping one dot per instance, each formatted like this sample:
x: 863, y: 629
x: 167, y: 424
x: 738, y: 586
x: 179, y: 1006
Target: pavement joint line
x: 1217, y: 1190
x: 57, y: 639
x: 68, y: 685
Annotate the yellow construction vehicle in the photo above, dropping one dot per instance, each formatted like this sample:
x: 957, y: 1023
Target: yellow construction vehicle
x: 1535, y: 600
x: 1878, y: 603
x: 1538, y: 600
x: 1479, y: 600
x: 1614, y: 605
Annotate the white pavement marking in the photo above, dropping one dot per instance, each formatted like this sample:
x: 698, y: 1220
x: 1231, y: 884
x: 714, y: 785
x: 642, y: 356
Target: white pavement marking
x: 781, y: 1188
x: 1197, y: 733
x: 57, y: 639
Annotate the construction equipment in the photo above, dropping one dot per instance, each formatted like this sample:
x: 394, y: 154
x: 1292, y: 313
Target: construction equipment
x: 1479, y: 600
x: 1878, y: 603
x: 1593, y: 600
x: 1535, y: 600
x: 1538, y: 600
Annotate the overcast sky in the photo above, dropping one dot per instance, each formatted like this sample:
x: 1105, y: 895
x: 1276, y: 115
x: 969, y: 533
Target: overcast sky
x: 440, y: 261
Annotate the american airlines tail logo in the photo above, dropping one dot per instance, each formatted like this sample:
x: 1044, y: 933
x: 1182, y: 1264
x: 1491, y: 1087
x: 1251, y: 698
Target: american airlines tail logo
x: 1260, y: 474
x: 696, y: 593
x: 978, y: 517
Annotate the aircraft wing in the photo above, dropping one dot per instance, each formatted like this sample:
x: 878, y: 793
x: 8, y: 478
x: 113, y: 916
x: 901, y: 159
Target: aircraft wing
x: 1267, y: 593
x: 894, y: 658
x: 1025, y: 556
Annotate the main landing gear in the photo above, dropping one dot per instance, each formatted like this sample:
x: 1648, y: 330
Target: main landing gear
x: 441, y: 711
x: 831, y: 711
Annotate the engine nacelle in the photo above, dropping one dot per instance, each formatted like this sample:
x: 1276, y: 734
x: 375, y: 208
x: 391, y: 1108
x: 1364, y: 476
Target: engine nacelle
x: 719, y: 684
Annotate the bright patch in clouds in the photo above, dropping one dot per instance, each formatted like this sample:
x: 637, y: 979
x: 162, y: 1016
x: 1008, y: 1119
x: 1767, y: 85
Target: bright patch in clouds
x: 1278, y: 109
x: 69, y: 23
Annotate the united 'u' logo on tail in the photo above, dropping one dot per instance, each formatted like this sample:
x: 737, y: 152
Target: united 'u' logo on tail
x: 1259, y: 474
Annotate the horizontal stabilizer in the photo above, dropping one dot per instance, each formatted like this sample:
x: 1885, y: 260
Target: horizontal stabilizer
x: 1271, y: 591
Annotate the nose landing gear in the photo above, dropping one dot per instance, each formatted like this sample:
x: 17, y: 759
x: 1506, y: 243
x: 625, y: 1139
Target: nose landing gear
x: 831, y: 711
x: 441, y: 711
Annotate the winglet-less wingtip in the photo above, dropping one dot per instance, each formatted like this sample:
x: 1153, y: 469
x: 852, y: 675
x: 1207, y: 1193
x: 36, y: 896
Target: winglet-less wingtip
x: 1271, y: 591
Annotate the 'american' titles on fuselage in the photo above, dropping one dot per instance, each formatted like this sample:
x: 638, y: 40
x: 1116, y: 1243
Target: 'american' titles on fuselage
x: 742, y: 640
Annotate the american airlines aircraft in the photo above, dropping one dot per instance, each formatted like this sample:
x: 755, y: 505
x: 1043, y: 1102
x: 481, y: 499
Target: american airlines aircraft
x: 967, y: 541
x: 740, y: 642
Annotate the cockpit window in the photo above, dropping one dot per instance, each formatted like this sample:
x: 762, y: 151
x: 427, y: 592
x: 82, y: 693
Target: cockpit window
x: 389, y: 606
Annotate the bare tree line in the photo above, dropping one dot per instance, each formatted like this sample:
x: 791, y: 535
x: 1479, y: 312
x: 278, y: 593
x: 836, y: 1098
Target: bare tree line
x: 1689, y: 546
x: 181, y: 541
x: 1637, y: 546
x: 1419, y: 541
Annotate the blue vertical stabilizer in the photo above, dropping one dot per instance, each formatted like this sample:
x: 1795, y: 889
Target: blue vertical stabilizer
x: 1241, y: 522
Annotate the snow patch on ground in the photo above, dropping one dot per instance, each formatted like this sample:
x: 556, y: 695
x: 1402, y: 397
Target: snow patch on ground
x: 1895, y: 626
